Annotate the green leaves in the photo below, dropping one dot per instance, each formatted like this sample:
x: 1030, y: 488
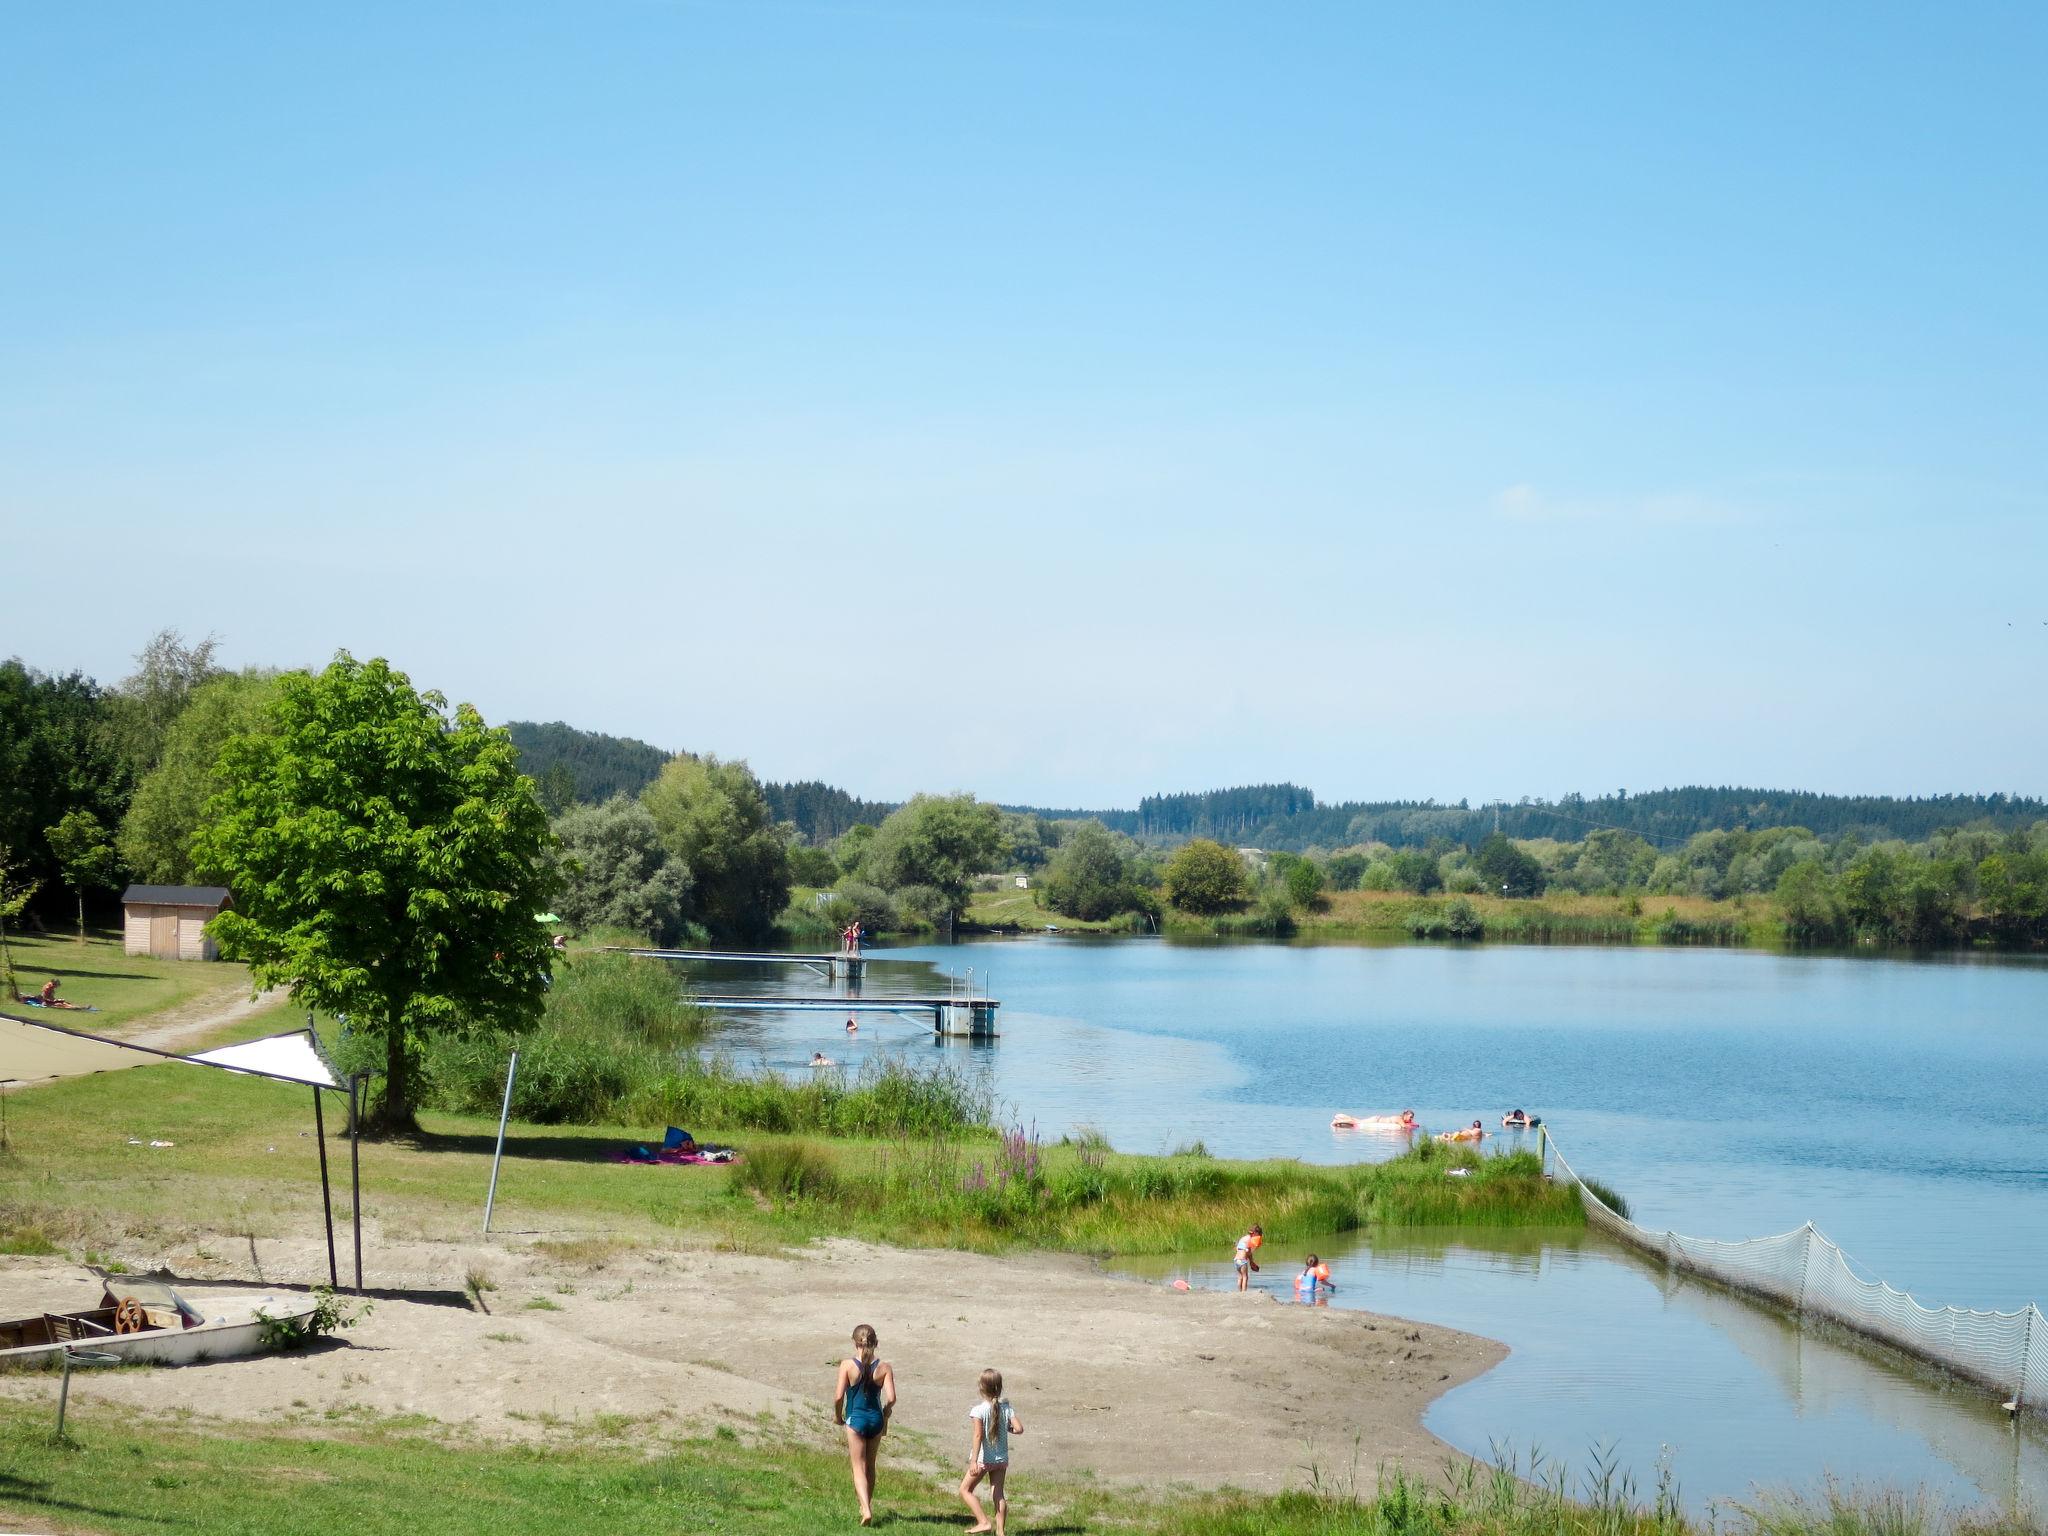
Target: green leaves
x: 1204, y: 877
x: 713, y: 817
x: 387, y: 861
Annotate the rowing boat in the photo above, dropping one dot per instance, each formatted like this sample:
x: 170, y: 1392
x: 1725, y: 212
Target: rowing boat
x: 153, y: 1323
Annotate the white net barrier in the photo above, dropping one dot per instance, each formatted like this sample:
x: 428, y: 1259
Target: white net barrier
x: 1805, y: 1273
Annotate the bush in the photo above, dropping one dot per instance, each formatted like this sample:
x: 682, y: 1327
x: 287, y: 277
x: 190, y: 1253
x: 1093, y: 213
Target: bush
x: 611, y: 1028
x: 1205, y: 878
x: 790, y: 1171
x: 1458, y: 919
x: 869, y: 903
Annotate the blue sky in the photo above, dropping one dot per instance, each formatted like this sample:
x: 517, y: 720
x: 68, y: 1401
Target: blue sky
x: 1060, y: 401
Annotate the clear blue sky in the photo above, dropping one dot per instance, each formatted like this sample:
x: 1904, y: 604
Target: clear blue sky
x: 1060, y: 401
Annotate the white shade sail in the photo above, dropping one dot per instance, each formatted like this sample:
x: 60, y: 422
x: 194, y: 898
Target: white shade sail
x: 33, y: 1052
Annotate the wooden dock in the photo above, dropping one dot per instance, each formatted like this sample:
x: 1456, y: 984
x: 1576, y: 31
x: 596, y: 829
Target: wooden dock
x: 947, y: 1014
x: 827, y: 965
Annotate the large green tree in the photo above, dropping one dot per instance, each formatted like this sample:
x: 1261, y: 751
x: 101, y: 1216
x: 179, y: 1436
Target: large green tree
x: 939, y: 841
x: 57, y: 755
x: 1204, y: 877
x: 387, y: 861
x: 617, y: 874
x: 713, y: 816
x: 1506, y: 869
x: 1090, y: 876
x: 151, y: 699
x: 170, y: 804
x: 85, y: 855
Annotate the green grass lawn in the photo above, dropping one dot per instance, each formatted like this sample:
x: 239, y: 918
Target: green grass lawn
x: 125, y: 989
x: 1010, y: 908
x: 79, y: 1174
x: 120, y: 1472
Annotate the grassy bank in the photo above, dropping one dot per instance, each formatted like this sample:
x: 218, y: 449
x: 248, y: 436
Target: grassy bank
x: 120, y: 1473
x: 885, y: 1155
x: 123, y: 989
x: 1080, y: 1197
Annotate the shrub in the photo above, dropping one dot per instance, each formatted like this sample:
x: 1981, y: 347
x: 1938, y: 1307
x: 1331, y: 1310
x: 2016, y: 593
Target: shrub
x: 1205, y: 878
x: 611, y: 1028
x: 794, y: 1170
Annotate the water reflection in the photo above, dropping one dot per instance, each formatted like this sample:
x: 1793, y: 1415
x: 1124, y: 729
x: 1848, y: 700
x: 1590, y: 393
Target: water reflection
x: 1611, y: 1353
x: 1726, y: 1094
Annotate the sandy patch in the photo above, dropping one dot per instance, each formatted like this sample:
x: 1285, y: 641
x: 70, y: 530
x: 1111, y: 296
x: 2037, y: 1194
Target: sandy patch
x: 1120, y: 1379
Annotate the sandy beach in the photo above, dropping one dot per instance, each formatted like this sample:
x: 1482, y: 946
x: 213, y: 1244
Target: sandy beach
x: 1124, y: 1380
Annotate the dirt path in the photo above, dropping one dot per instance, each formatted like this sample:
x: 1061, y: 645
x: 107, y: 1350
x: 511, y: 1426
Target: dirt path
x: 1124, y: 1380
x: 176, y: 1029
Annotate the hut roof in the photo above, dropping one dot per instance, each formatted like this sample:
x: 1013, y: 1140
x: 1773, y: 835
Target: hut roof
x: 175, y: 896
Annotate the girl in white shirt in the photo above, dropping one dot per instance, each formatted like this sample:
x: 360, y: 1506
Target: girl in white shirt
x: 988, y: 1454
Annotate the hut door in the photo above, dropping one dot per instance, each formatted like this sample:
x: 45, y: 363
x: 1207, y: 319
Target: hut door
x: 163, y: 933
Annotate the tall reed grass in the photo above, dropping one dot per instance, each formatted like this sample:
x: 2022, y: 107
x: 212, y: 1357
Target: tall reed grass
x: 612, y: 1028
x: 1544, y: 1497
x: 882, y: 1099
x: 1079, y: 1196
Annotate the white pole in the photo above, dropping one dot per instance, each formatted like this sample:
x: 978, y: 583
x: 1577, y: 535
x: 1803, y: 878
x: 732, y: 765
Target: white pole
x: 511, y: 1070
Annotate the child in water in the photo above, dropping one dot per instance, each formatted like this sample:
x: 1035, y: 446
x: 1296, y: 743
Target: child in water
x: 988, y: 1454
x: 1247, y: 1246
x: 1313, y: 1284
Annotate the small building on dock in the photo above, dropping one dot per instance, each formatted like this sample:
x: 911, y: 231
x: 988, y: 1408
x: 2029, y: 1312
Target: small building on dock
x: 168, y: 922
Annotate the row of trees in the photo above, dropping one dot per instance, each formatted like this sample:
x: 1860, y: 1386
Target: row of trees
x: 1289, y: 817
x: 100, y: 785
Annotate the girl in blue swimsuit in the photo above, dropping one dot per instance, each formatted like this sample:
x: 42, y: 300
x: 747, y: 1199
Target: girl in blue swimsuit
x: 862, y: 1400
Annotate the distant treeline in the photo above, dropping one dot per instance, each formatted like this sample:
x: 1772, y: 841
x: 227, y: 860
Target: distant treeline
x: 1286, y: 817
x: 822, y: 812
x: 599, y: 766
x: 1289, y: 818
x: 590, y: 767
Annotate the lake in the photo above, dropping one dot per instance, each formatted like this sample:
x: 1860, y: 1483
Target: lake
x: 1898, y: 1104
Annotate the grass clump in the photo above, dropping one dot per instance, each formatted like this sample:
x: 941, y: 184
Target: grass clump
x: 793, y: 1171
x: 611, y: 1030
x: 882, y: 1099
x: 998, y: 1192
x: 1608, y: 1196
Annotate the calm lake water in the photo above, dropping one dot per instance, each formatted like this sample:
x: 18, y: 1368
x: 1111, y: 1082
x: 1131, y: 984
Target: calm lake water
x: 1900, y: 1105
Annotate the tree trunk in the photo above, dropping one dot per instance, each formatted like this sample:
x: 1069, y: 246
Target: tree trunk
x: 81, y: 916
x: 394, y: 1111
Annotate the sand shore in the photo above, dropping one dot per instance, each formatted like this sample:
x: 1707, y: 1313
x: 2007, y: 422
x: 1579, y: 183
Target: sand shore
x: 1115, y: 1378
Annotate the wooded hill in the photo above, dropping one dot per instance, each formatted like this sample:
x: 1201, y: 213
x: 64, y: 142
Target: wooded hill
x: 1289, y: 817
x: 600, y: 766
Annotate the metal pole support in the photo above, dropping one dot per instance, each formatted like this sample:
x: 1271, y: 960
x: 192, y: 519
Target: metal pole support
x: 504, y: 1113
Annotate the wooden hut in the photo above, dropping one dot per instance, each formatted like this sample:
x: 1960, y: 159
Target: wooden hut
x: 169, y: 922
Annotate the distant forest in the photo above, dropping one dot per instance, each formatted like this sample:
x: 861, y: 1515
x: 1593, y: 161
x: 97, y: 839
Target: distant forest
x: 1287, y: 817
x: 600, y: 766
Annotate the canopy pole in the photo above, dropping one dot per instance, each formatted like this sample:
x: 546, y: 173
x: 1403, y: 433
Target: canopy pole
x: 355, y: 1170
x: 504, y: 1113
x: 326, y: 1195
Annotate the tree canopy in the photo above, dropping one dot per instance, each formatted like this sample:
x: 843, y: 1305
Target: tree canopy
x: 170, y: 803
x: 616, y: 873
x: 936, y: 841
x: 1090, y: 877
x: 714, y: 818
x: 1204, y: 877
x: 85, y: 856
x: 387, y: 860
